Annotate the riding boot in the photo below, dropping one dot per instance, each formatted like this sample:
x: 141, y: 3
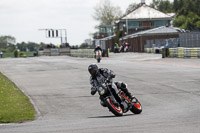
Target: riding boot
x: 125, y: 90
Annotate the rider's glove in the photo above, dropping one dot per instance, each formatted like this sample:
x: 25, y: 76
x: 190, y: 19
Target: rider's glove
x: 108, y: 80
x: 93, y: 90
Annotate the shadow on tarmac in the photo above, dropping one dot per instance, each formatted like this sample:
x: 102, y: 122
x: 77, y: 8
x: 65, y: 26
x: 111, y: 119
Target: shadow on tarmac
x: 111, y: 116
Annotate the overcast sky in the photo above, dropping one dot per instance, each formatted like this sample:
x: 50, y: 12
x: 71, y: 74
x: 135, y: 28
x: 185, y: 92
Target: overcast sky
x: 23, y: 18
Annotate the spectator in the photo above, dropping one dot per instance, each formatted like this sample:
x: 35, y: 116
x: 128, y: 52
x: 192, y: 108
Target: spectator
x: 1, y: 54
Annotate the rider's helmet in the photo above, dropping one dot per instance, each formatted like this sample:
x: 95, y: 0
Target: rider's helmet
x: 93, y: 70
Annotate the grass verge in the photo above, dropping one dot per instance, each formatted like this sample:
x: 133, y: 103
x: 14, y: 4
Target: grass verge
x: 11, y: 54
x: 14, y: 105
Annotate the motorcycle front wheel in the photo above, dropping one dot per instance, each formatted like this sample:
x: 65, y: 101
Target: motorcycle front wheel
x: 117, y: 111
x: 136, y: 107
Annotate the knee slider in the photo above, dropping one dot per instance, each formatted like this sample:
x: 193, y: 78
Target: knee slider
x: 123, y: 85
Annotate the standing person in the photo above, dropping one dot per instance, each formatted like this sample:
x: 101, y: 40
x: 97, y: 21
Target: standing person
x: 126, y: 48
x: 1, y: 54
x: 122, y: 47
x: 116, y: 48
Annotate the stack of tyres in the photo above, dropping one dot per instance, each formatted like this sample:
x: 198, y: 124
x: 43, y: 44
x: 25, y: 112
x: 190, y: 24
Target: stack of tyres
x: 194, y: 53
x: 180, y: 52
x: 187, y: 52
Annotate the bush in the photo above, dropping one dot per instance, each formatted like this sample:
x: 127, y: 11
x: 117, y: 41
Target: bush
x: 16, y: 53
x: 22, y: 54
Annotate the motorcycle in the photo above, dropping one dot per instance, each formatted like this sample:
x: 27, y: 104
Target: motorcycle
x: 98, y: 56
x: 108, y: 99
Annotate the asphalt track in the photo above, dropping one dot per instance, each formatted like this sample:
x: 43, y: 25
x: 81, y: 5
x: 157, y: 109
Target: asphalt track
x: 168, y: 89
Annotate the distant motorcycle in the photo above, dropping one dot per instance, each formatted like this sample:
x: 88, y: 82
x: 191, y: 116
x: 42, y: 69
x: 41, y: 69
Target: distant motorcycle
x: 107, y: 96
x: 98, y: 55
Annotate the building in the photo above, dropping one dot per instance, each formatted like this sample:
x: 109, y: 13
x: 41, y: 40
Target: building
x: 105, y: 31
x: 137, y: 27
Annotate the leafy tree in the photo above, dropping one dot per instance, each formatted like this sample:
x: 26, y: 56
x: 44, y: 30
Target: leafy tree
x: 187, y: 12
x: 84, y: 45
x: 132, y: 7
x: 15, y: 53
x: 5, y: 41
x: 10, y: 48
x: 42, y: 46
x: 31, y: 46
x: 179, y: 21
x: 74, y: 47
x: 162, y: 5
x: 117, y: 33
x: 190, y: 10
x: 175, y: 5
x: 106, y: 14
x: 22, y: 46
x: 155, y: 4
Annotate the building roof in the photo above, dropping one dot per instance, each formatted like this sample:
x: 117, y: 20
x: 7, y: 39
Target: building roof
x: 146, y: 12
x: 106, y: 38
x: 163, y: 30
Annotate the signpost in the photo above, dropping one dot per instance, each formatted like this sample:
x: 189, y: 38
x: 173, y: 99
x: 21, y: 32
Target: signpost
x: 56, y: 33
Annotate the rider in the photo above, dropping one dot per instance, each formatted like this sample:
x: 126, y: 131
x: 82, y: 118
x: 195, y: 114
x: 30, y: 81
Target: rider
x: 98, y: 48
x: 100, y: 75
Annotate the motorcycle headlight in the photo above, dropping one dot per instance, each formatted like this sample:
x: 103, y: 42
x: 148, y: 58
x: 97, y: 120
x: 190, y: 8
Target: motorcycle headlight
x: 101, y: 91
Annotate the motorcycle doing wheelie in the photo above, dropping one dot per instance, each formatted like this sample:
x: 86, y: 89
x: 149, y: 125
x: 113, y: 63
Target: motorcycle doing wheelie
x: 108, y: 99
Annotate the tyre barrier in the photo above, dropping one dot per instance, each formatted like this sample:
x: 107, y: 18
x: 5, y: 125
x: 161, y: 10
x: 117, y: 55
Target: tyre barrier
x: 149, y: 50
x: 173, y: 52
x: 179, y: 52
x: 184, y: 52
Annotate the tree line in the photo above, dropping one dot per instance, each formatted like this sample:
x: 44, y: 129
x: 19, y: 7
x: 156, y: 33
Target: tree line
x: 187, y: 12
x: 8, y: 44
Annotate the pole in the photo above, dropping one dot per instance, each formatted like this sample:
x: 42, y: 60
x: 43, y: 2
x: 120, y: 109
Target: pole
x: 127, y: 26
x: 66, y: 35
x: 61, y: 36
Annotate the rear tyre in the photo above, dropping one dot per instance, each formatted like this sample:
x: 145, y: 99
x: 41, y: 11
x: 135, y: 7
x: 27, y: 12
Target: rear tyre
x: 117, y: 111
x: 136, y: 107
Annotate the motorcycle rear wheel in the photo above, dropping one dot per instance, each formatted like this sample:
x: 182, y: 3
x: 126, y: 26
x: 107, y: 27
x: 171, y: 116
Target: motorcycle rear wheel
x: 117, y: 111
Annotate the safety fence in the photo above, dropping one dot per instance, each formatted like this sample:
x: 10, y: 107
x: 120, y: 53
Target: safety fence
x: 179, y: 52
x: 89, y: 53
x: 153, y: 50
x: 184, y: 52
x: 149, y: 50
x: 56, y: 51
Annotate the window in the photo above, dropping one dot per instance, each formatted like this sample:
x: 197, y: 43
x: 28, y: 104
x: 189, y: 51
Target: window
x: 133, y: 24
x: 109, y: 30
x: 102, y: 30
x: 140, y: 24
x: 152, y: 24
x: 121, y: 26
x: 159, y: 23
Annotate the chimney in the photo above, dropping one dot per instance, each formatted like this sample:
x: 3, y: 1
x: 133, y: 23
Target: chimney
x: 142, y: 2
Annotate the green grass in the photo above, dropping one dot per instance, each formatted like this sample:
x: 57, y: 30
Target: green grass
x: 14, y: 105
x: 11, y: 54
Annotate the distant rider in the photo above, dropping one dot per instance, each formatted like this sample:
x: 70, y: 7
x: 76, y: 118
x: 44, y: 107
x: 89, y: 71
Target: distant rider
x: 98, y: 48
x: 100, y: 76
